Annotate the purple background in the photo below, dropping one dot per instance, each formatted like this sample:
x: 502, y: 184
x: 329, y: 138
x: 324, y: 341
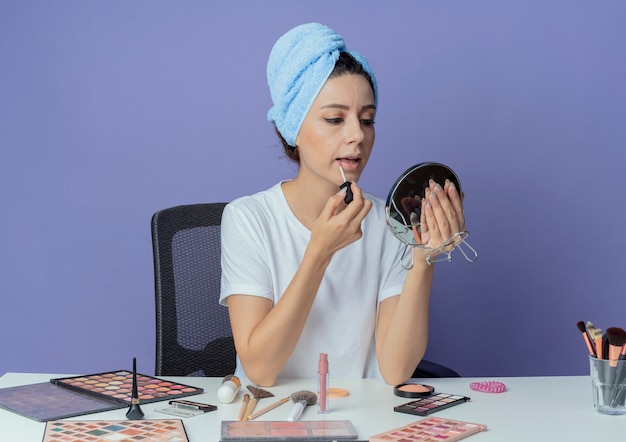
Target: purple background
x: 112, y: 110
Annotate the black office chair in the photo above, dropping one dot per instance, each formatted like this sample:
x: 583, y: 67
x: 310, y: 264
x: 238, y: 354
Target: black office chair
x: 193, y: 334
x: 428, y: 369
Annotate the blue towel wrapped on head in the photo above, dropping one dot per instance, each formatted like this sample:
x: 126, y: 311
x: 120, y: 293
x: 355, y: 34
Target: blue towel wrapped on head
x: 300, y: 63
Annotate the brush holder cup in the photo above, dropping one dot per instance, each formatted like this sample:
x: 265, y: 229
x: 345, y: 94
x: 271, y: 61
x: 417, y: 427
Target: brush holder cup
x: 608, y: 385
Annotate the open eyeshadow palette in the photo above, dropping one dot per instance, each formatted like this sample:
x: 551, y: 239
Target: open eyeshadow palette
x: 79, y: 395
x: 431, y: 428
x: 431, y: 404
x: 170, y: 430
x: 316, y: 430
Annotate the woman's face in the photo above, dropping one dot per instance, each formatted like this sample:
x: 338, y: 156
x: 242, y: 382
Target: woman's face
x: 339, y: 129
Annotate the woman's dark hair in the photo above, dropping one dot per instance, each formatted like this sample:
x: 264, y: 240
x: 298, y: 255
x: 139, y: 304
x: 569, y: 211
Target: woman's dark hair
x: 345, y: 64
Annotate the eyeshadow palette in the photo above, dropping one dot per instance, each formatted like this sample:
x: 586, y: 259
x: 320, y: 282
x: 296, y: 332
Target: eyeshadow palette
x: 431, y: 404
x: 288, y: 431
x: 79, y: 395
x: 170, y: 430
x: 44, y: 401
x: 431, y: 428
x: 117, y: 386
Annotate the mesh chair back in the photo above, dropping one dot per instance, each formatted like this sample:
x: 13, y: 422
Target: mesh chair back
x: 429, y: 369
x: 193, y: 335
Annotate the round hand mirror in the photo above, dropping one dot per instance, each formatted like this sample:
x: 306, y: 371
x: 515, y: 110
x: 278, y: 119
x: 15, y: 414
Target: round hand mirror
x: 404, y: 210
x: 404, y: 203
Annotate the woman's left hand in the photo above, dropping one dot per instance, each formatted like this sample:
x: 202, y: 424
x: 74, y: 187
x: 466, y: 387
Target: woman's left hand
x: 441, y: 217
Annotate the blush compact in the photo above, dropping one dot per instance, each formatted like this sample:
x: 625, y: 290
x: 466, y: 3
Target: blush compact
x: 413, y: 390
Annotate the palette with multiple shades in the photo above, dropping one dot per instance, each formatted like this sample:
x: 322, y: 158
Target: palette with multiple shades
x: 431, y: 428
x: 117, y: 386
x: 79, y: 395
x: 431, y: 404
x: 316, y: 430
x: 169, y: 430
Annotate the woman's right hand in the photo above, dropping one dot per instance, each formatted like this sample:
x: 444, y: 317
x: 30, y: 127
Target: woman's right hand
x: 339, y: 224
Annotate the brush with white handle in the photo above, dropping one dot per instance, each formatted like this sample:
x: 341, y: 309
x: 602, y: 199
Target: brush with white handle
x: 301, y: 399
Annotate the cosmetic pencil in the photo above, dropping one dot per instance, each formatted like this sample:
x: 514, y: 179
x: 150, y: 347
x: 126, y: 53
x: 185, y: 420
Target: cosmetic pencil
x: 583, y: 331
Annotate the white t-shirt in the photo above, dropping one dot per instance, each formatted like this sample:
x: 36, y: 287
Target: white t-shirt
x: 262, y: 246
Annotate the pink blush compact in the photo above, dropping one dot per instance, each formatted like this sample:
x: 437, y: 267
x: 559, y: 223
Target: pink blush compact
x: 413, y: 390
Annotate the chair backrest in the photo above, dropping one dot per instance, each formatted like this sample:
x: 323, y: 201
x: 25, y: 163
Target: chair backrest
x: 193, y: 334
x: 428, y: 369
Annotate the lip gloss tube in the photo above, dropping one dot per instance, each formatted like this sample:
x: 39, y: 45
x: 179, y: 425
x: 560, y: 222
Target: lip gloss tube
x: 322, y: 383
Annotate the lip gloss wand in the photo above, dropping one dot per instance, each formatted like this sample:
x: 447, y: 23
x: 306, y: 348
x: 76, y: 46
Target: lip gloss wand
x: 346, y: 184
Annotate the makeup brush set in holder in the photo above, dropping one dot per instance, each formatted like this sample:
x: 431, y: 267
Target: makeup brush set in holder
x: 607, y: 361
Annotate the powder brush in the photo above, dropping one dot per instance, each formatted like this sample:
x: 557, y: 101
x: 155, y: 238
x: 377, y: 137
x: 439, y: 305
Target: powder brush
x: 617, y: 338
x: 301, y: 399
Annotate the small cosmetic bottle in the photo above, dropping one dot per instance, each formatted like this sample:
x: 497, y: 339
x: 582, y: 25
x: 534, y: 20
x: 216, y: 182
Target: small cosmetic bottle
x: 322, y: 383
x: 229, y: 389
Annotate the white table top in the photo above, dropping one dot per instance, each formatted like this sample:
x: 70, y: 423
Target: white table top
x: 532, y: 409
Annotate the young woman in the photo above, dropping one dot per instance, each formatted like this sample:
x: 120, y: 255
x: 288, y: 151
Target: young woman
x: 306, y: 273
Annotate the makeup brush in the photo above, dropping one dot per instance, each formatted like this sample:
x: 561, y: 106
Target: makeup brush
x: 596, y: 337
x: 617, y: 338
x: 301, y: 399
x: 615, y: 341
x: 415, y: 224
x: 257, y: 393
x: 268, y: 408
x: 583, y: 331
x: 134, y: 411
x: 244, y: 407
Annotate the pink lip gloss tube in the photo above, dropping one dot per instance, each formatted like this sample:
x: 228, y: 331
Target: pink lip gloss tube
x: 322, y: 383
